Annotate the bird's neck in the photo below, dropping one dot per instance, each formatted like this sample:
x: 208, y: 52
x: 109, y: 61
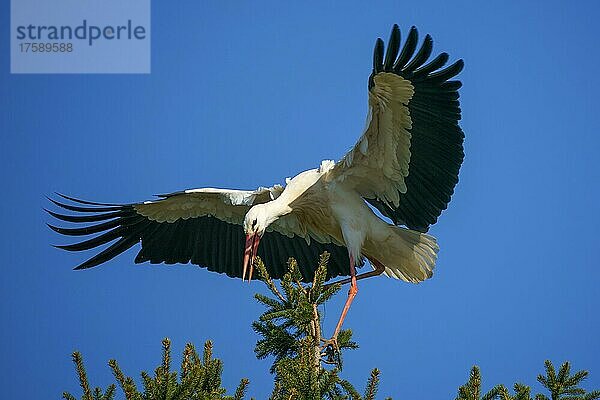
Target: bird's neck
x: 278, y: 207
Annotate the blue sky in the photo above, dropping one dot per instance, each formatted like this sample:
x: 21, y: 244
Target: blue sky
x: 242, y: 95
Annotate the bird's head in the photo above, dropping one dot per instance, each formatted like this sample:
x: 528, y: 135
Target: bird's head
x: 257, y: 219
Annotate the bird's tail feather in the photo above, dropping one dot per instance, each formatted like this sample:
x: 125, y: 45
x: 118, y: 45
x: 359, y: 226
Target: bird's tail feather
x: 409, y: 255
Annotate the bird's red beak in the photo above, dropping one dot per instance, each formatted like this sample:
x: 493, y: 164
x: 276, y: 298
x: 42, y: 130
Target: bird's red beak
x: 251, y: 247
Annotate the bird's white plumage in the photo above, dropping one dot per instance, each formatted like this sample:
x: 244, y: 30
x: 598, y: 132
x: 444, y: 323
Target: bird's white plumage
x: 326, y: 204
x: 409, y: 183
x: 228, y: 205
x: 379, y: 161
x: 406, y: 254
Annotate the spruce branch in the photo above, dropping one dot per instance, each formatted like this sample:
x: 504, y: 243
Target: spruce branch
x: 290, y: 331
x: 349, y: 391
x: 186, y: 361
x: 200, y: 379
x: 88, y: 394
x: 83, y: 379
x: 264, y: 276
x: 372, y: 385
x: 240, y: 392
x: 126, y: 383
x: 472, y: 389
x: 563, y: 385
x: 522, y: 392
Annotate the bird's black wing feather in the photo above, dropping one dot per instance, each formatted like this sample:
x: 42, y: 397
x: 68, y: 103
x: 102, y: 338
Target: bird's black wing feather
x: 436, y: 143
x: 206, y: 241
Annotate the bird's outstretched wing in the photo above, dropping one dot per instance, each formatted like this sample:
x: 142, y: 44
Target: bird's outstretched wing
x: 407, y: 161
x: 201, y: 226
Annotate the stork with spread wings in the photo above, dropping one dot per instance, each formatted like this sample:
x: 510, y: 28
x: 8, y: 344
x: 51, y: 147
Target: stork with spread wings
x: 405, y: 164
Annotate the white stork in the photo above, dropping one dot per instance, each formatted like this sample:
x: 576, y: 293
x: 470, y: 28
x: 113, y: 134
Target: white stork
x: 405, y: 165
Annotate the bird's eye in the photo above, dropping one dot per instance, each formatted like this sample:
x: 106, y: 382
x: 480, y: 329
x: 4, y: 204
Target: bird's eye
x: 253, y: 224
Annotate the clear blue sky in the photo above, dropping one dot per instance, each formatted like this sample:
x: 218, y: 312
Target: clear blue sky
x: 242, y: 95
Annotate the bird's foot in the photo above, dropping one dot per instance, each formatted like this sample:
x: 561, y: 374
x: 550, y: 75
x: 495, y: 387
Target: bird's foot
x: 330, y: 342
x: 330, y: 351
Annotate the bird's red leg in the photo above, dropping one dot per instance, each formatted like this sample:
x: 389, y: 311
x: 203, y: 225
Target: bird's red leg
x: 351, y: 294
x: 331, y: 344
x: 379, y: 268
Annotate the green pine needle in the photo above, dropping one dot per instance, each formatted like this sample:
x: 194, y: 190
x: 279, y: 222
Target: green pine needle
x: 290, y: 331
